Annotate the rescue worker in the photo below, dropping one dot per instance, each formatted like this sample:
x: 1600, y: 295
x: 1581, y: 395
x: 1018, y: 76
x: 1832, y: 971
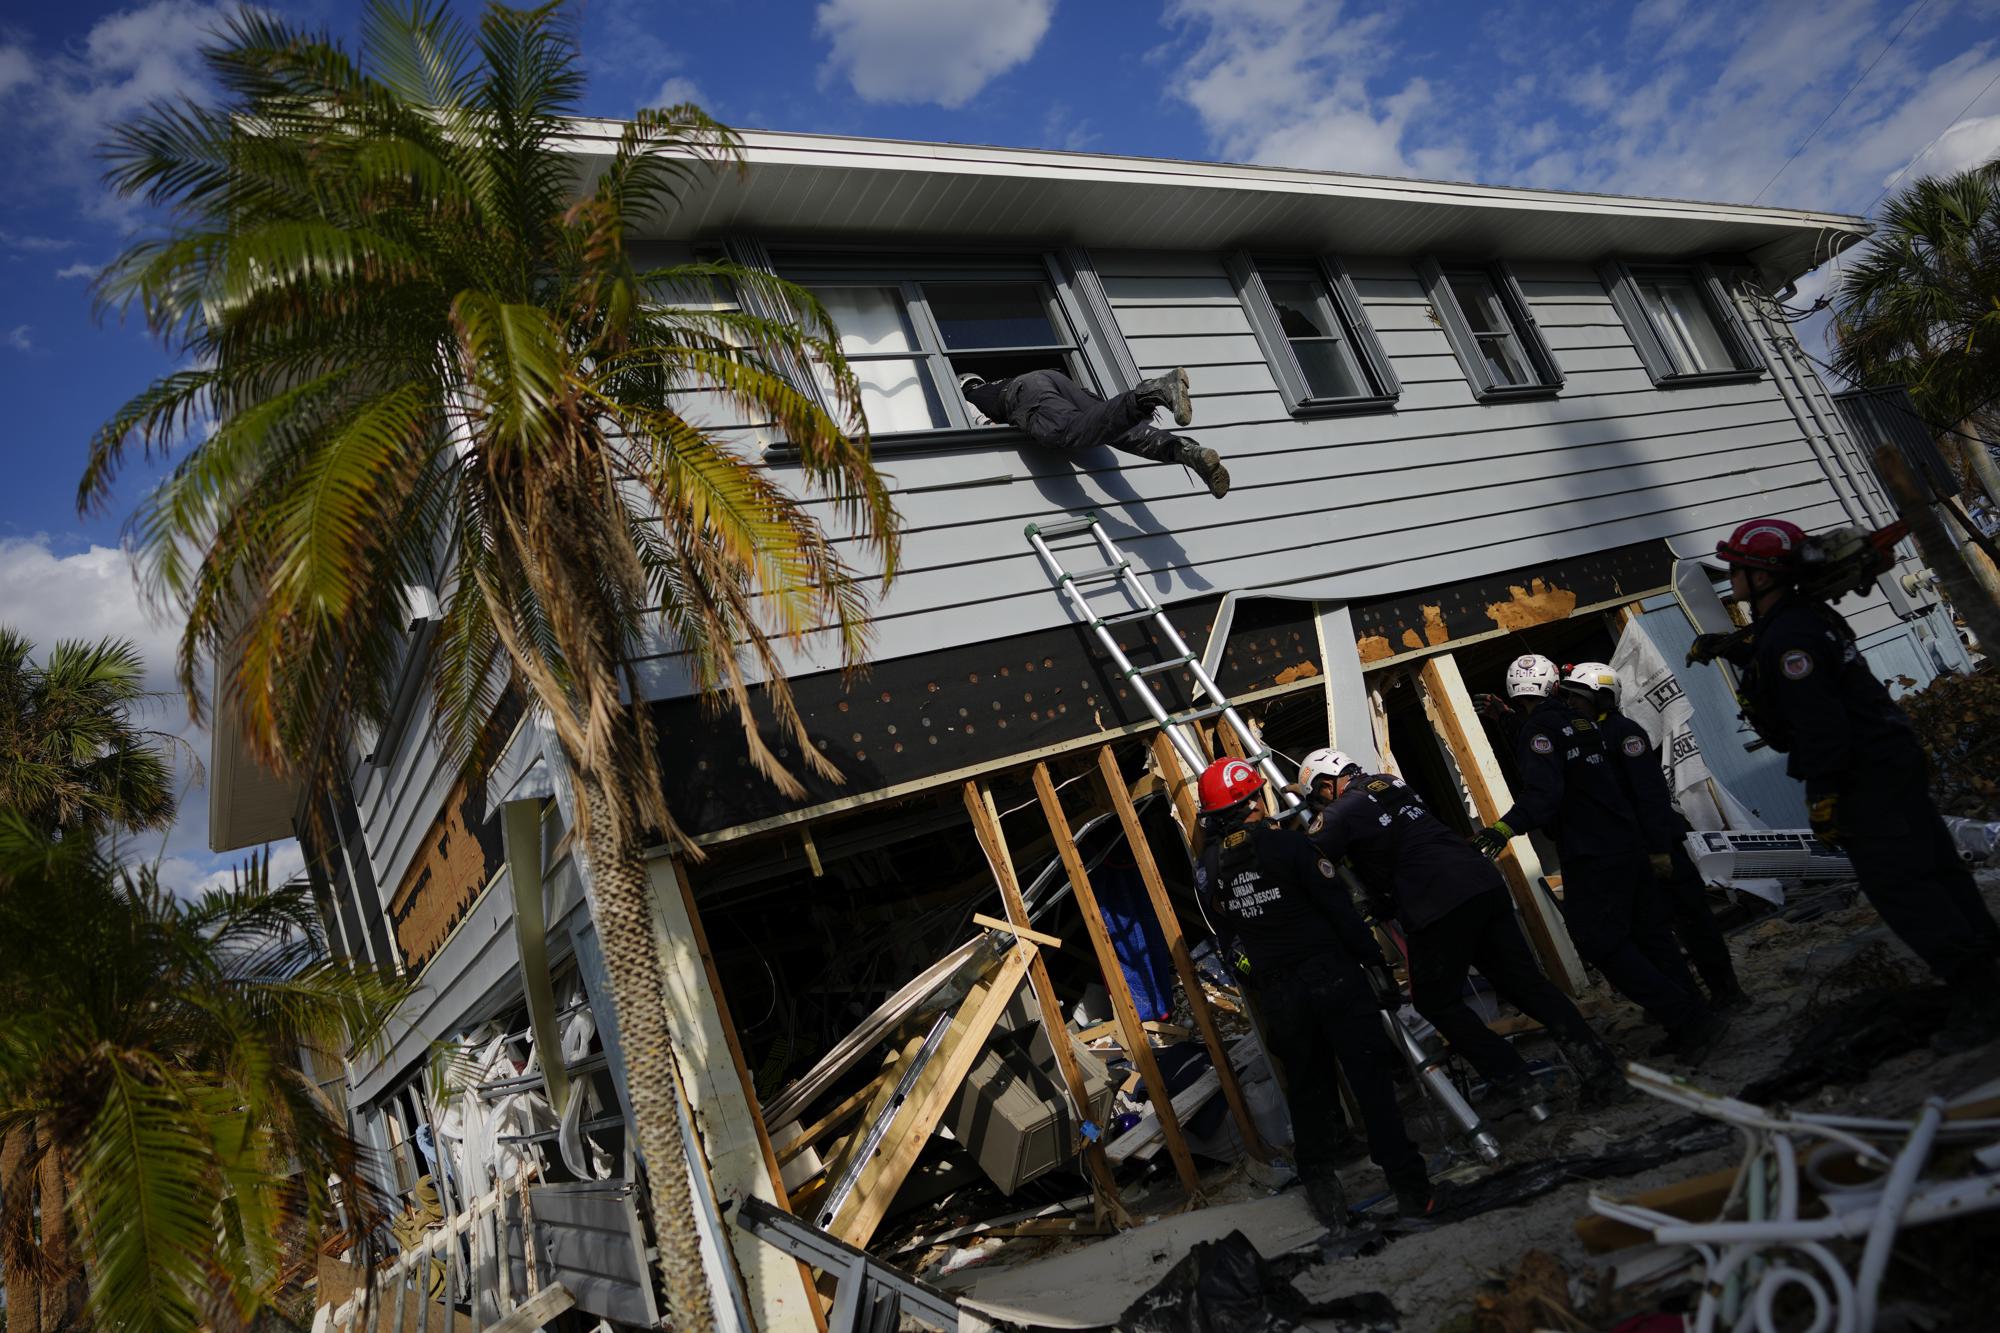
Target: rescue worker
x: 1321, y: 982
x: 1810, y: 695
x: 1568, y: 787
x: 1456, y: 914
x: 1058, y: 413
x: 1665, y: 830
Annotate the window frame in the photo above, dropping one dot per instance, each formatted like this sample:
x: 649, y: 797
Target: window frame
x: 1436, y: 275
x: 1246, y: 271
x: 1621, y: 278
x: 1095, y: 349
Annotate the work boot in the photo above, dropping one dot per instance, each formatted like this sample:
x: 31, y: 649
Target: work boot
x: 1975, y: 1013
x: 1328, y: 1201
x: 1421, y: 1204
x: 1507, y: 1097
x: 1171, y: 392
x: 1207, y: 465
x: 1692, y: 1041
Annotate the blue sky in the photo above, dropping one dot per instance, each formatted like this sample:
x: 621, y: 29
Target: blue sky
x: 1681, y: 98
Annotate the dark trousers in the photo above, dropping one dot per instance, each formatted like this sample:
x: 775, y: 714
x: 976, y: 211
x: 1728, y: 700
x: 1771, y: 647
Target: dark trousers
x: 1909, y: 869
x: 1618, y: 921
x: 1323, y: 1008
x: 1694, y: 925
x: 1056, y: 411
x: 1482, y: 933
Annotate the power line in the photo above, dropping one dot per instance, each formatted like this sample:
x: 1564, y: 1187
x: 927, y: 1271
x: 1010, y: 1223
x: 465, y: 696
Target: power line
x: 1925, y: 4
x: 1933, y: 143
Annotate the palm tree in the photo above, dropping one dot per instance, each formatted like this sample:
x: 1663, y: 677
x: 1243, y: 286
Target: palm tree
x: 413, y: 312
x: 150, y: 1089
x: 72, y: 759
x: 1922, y: 307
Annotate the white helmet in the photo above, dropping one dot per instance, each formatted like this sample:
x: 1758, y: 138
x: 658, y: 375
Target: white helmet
x: 1532, y: 674
x: 1325, y: 763
x: 1592, y: 676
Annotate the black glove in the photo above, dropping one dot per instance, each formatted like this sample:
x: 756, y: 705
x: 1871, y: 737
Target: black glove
x: 1663, y: 865
x: 1708, y: 647
x: 1824, y: 811
x: 1491, y: 705
x: 1492, y: 839
x: 1388, y: 995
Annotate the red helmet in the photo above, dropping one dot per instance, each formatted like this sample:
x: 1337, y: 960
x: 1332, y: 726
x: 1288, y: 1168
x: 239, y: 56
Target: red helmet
x: 1763, y: 543
x: 1226, y: 783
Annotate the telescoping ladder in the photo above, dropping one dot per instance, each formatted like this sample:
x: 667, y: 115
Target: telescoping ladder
x: 1117, y: 570
x: 1426, y: 1062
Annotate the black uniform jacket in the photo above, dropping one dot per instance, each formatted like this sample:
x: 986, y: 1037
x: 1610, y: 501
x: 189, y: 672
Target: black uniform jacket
x: 1568, y: 787
x: 1811, y: 694
x: 1283, y: 899
x: 1638, y: 763
x: 1402, y: 851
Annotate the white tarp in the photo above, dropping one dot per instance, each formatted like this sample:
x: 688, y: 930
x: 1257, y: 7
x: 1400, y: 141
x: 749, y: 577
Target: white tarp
x: 1650, y: 694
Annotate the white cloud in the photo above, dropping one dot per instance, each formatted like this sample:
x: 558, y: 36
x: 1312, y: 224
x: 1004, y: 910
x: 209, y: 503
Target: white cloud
x: 677, y: 90
x: 79, y: 270
x: 17, y: 69
x: 941, y: 51
x: 13, y: 240
x: 92, y: 594
x: 1294, y: 83
x: 17, y: 338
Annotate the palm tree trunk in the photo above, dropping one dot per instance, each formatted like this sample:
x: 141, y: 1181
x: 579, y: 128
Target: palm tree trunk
x: 17, y: 1199
x: 64, y: 1291
x: 1979, y: 458
x: 1968, y: 596
x: 624, y: 916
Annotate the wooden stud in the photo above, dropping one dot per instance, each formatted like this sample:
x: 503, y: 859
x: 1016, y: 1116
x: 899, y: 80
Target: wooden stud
x: 986, y: 825
x: 1180, y: 788
x: 912, y: 1128
x: 1122, y: 1007
x: 1047, y: 941
x: 1378, y: 722
x: 1518, y: 865
x: 1170, y: 927
x: 844, y: 1111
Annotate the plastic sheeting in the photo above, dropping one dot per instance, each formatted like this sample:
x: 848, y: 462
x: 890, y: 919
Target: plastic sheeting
x: 1226, y: 1286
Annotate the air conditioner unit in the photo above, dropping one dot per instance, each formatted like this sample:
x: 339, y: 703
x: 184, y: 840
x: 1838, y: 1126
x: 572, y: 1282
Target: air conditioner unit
x: 1760, y: 860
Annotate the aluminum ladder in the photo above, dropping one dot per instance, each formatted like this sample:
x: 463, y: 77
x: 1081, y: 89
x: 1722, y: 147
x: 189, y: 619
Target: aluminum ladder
x: 1424, y: 1061
x: 1116, y: 571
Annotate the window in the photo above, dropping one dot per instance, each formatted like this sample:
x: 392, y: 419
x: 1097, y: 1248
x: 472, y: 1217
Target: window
x: 1681, y: 322
x: 1313, y: 332
x: 912, y: 325
x: 1486, y: 319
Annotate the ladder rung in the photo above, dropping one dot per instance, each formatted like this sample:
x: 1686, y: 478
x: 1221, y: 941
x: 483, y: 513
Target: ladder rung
x: 1127, y: 617
x: 1098, y: 575
x: 1198, y: 715
x: 1154, y: 668
x: 1063, y: 529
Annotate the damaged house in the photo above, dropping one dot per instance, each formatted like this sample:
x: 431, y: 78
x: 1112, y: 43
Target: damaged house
x: 1464, y: 423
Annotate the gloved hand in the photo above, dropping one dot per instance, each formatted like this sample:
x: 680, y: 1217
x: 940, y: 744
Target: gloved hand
x: 1491, y: 705
x: 1663, y: 866
x: 1824, y: 811
x: 1705, y: 648
x: 1492, y: 838
x: 1388, y: 995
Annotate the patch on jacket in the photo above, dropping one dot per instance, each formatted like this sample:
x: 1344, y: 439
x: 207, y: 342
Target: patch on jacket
x: 1326, y: 868
x: 1541, y: 745
x: 1318, y: 823
x: 1635, y: 746
x: 1236, y: 839
x: 1378, y: 786
x: 1796, y: 664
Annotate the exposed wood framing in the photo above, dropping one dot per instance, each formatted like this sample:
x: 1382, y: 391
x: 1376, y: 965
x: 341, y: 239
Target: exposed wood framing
x: 1519, y: 866
x: 1120, y: 800
x: 1042, y: 938
x: 1378, y: 726
x: 1122, y: 1007
x: 986, y: 824
x: 722, y: 1100
x: 1180, y: 787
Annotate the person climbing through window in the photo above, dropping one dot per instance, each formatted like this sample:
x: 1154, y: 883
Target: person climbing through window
x: 1058, y: 413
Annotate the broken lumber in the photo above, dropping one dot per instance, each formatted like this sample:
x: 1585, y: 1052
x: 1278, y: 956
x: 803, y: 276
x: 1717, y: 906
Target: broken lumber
x: 1144, y: 1135
x: 1695, y: 1199
x: 1047, y: 941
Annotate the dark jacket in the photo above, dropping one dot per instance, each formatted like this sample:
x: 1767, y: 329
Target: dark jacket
x: 1638, y: 764
x: 1283, y: 899
x: 1568, y: 787
x: 1812, y: 696
x: 1402, y: 851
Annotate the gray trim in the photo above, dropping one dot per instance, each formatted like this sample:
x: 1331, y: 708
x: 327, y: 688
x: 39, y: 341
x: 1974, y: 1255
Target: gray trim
x: 1465, y: 345
x: 1104, y: 344
x: 1622, y: 283
x: 1370, y: 361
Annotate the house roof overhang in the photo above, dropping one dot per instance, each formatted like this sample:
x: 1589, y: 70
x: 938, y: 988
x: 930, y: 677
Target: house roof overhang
x: 832, y: 186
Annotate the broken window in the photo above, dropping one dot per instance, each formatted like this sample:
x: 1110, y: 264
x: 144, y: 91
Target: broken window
x: 1682, y: 322
x: 1313, y: 332
x: 1491, y: 330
